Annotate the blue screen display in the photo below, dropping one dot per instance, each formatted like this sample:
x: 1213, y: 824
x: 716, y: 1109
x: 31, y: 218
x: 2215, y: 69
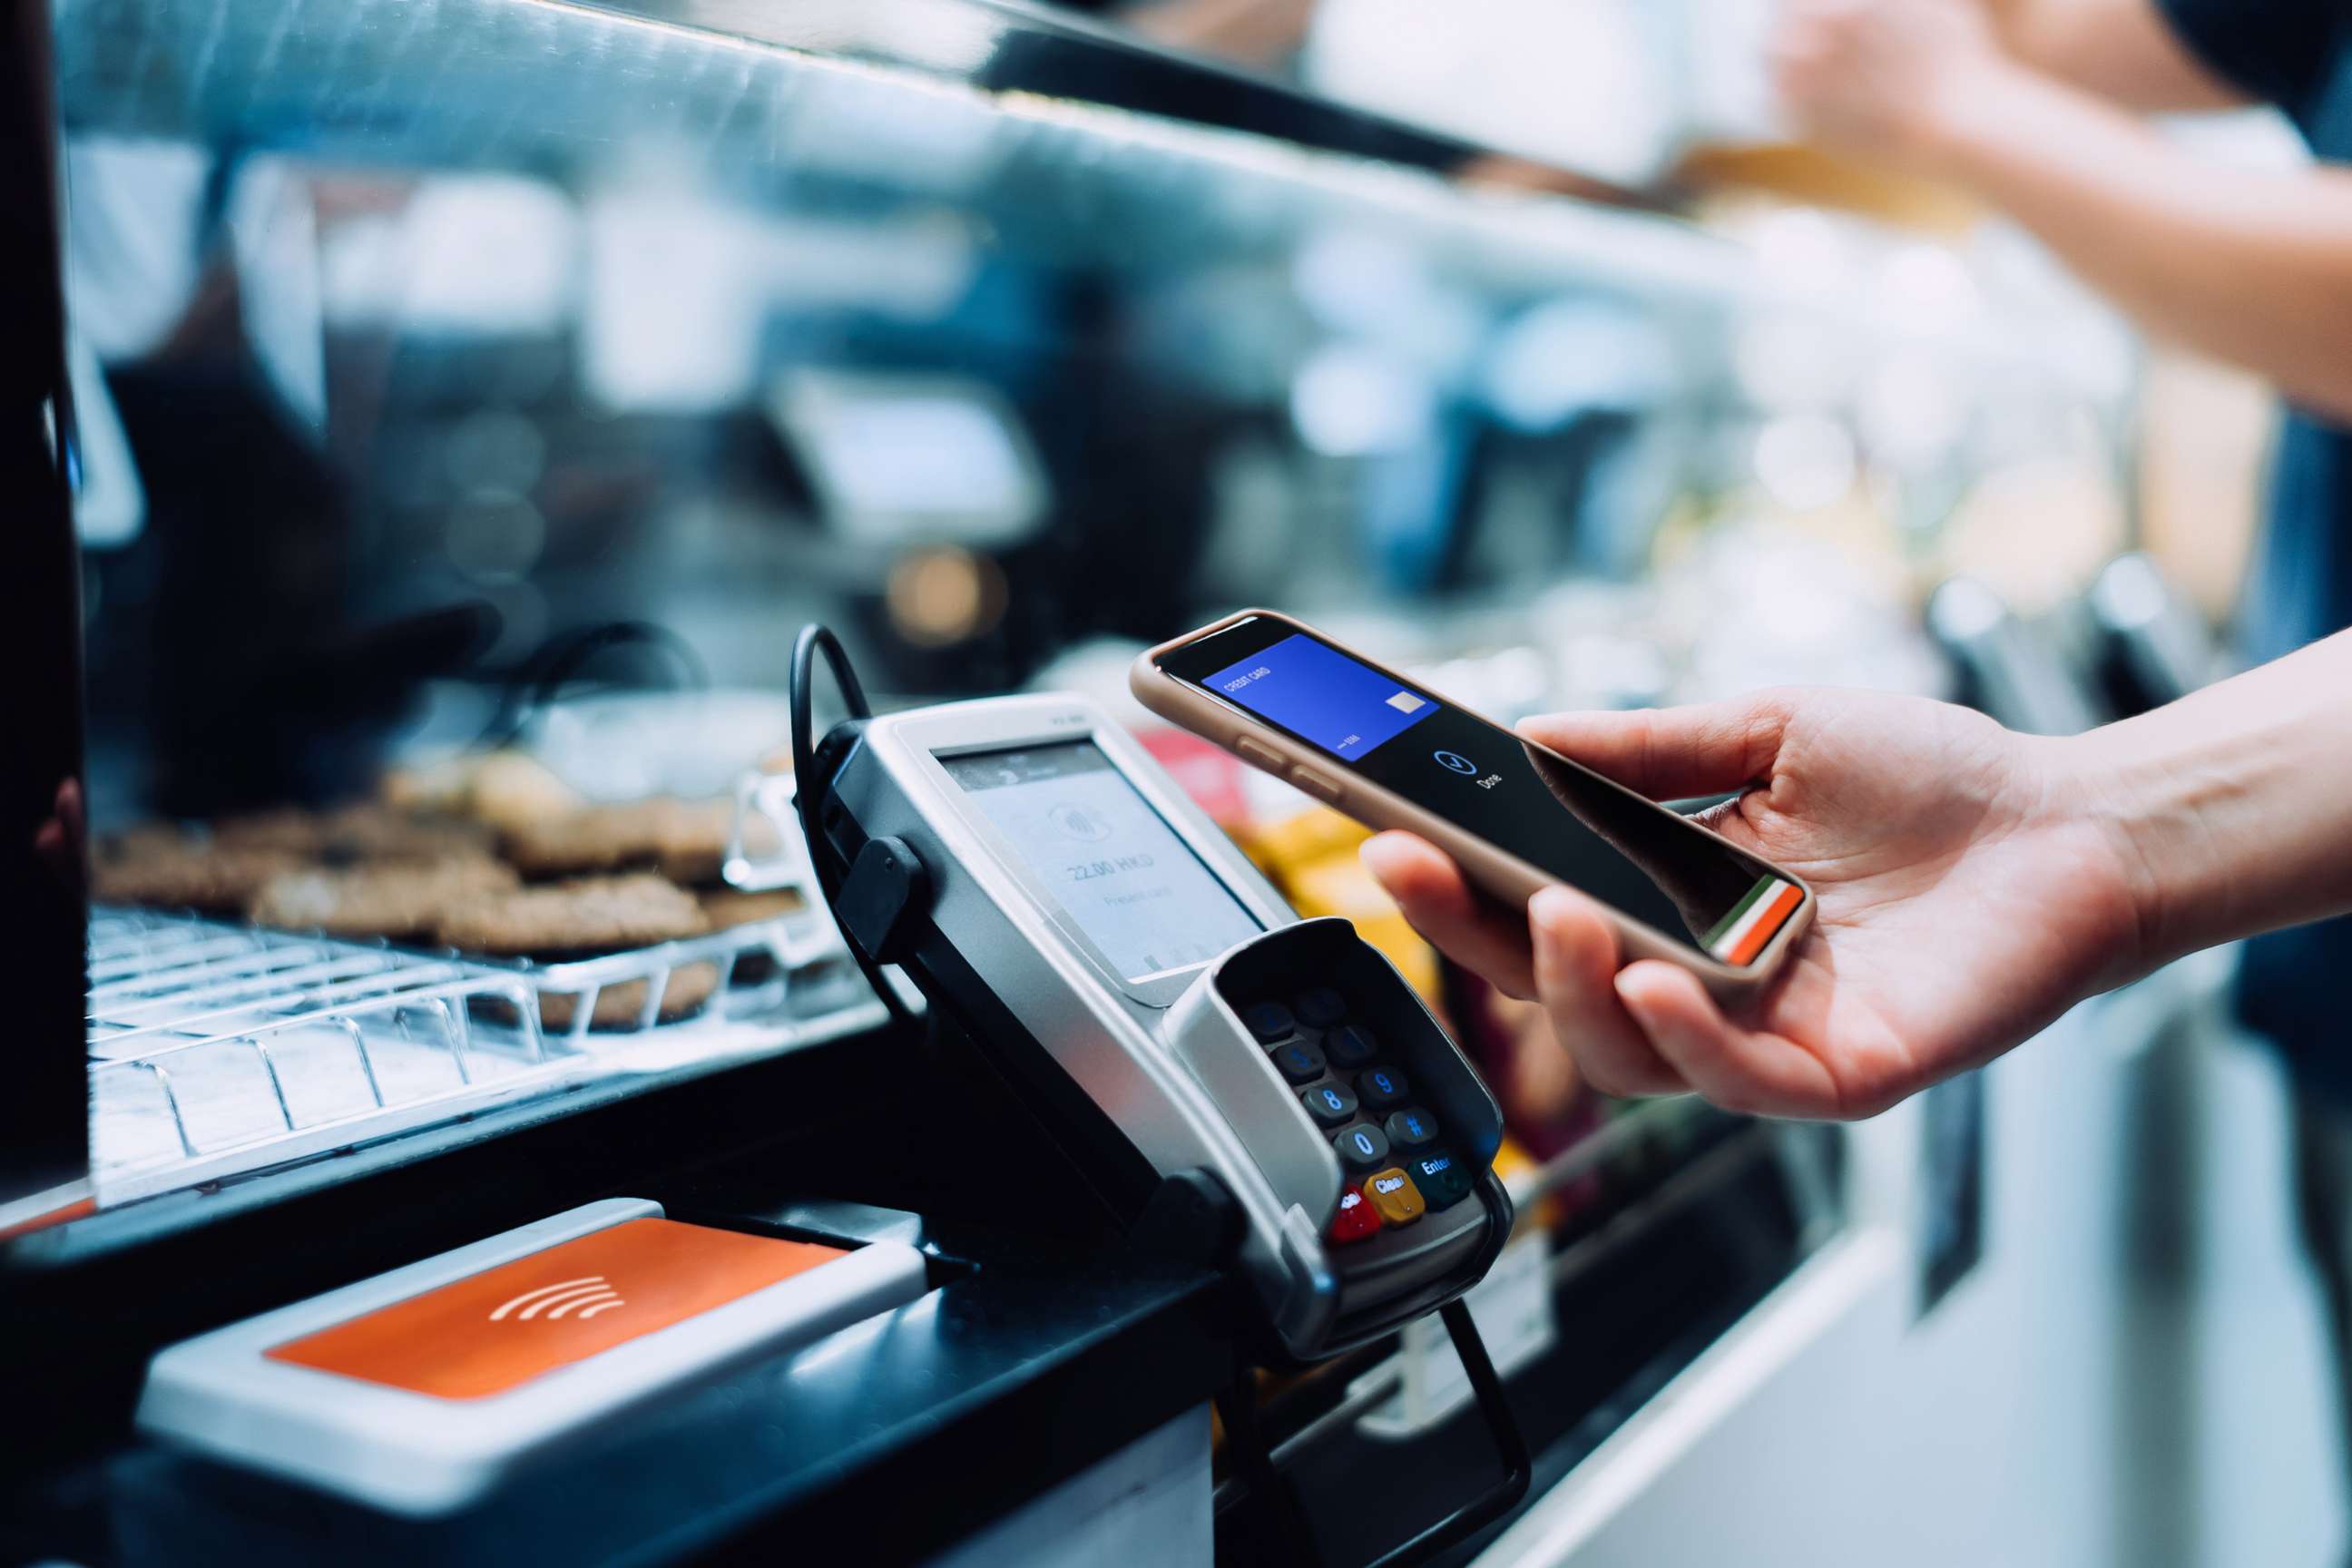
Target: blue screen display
x: 1314, y: 692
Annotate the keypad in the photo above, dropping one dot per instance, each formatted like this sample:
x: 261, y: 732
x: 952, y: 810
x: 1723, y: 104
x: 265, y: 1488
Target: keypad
x: 1299, y: 1062
x: 1352, y: 1046
x: 1398, y: 1171
x: 1321, y: 1007
x: 1382, y: 1087
x: 1332, y: 1104
x: 1269, y: 1021
x: 1412, y: 1128
x: 1363, y: 1146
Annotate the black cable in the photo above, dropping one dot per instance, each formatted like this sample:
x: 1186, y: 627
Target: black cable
x: 808, y: 790
x: 1284, y: 1534
x: 558, y: 661
x: 1285, y: 1537
x: 1510, y: 1446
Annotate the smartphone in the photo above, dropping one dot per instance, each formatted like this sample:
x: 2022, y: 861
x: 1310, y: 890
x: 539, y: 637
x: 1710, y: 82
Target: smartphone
x: 1515, y: 816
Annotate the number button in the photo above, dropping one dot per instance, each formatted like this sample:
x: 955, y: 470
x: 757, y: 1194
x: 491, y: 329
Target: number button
x: 1299, y: 1062
x: 1269, y: 1021
x: 1382, y: 1087
x: 1352, y: 1046
x: 1356, y: 1219
x: 1411, y: 1127
x: 1393, y: 1193
x: 1329, y: 1103
x: 1362, y: 1146
x: 1321, y: 1007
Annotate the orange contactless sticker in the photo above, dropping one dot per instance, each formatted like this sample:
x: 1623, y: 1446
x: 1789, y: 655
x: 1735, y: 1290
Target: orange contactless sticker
x: 514, y: 1321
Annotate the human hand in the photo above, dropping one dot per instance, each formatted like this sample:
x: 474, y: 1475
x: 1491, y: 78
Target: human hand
x: 1968, y: 889
x: 1885, y: 77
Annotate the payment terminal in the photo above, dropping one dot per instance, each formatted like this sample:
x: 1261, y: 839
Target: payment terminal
x: 1200, y: 1050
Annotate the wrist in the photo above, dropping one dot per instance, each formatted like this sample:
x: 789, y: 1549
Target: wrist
x: 2125, y: 800
x: 1952, y: 129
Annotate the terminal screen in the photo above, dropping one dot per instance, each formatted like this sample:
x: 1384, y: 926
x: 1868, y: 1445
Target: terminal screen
x: 1117, y: 870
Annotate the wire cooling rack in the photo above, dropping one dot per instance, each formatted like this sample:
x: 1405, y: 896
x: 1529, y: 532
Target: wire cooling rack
x: 218, y: 1049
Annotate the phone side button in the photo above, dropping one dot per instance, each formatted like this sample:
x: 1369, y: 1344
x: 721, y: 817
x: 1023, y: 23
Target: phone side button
x: 1263, y: 756
x: 1315, y: 783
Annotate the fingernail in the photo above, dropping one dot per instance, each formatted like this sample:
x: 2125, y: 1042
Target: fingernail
x: 1550, y: 907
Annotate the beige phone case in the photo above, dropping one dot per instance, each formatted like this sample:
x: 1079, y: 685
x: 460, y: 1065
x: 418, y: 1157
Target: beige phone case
x: 1499, y: 874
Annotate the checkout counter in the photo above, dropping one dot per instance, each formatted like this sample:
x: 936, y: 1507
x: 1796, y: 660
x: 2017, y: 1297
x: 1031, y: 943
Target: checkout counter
x: 430, y: 366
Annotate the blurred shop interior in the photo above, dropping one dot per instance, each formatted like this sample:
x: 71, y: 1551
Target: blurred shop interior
x: 474, y: 397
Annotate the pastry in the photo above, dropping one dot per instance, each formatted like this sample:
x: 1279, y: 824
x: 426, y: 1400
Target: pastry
x: 685, y: 840
x: 167, y: 869
x: 588, y: 918
x: 727, y: 908
x: 360, y: 833
x: 399, y: 901
x: 510, y: 791
x: 596, y: 838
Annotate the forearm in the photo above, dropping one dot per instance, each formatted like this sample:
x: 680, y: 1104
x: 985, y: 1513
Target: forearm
x: 2229, y: 809
x: 2126, y: 51
x: 2251, y: 267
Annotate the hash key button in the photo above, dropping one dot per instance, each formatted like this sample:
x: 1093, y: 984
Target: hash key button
x: 1329, y: 1103
x: 1362, y: 1146
x: 1442, y: 1179
x: 1411, y: 1127
x: 1382, y: 1087
x: 1299, y: 1062
x: 1393, y: 1193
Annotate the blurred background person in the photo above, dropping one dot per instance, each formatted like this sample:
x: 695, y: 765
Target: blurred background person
x: 2036, y: 107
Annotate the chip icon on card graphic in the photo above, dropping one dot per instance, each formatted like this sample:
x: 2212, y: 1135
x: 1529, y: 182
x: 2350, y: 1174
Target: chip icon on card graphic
x: 1406, y: 702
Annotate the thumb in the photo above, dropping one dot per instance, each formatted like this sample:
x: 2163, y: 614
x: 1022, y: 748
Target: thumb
x: 1671, y: 754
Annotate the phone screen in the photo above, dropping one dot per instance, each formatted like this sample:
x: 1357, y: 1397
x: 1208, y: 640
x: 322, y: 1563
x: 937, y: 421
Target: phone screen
x: 1564, y: 820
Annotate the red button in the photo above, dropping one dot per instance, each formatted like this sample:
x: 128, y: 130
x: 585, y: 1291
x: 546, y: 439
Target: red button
x: 1356, y: 1219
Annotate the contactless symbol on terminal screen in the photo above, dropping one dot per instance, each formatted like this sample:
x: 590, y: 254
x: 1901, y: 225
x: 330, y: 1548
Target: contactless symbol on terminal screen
x: 1455, y: 762
x: 1078, y: 822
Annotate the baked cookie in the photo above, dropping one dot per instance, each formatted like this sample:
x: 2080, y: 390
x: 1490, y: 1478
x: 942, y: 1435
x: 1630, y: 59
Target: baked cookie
x: 588, y: 918
x: 164, y: 868
x: 361, y: 833
x: 727, y: 907
x: 685, y: 840
x: 594, y: 839
x: 691, y: 847
x: 620, y: 1006
x: 578, y: 918
x: 398, y: 901
x: 510, y: 791
x: 501, y: 790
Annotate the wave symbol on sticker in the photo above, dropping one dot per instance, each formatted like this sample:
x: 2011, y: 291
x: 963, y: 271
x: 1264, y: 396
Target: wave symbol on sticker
x: 588, y: 1295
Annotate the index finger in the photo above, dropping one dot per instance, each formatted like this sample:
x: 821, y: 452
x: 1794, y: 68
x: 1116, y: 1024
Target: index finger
x: 1442, y: 906
x: 1671, y: 754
